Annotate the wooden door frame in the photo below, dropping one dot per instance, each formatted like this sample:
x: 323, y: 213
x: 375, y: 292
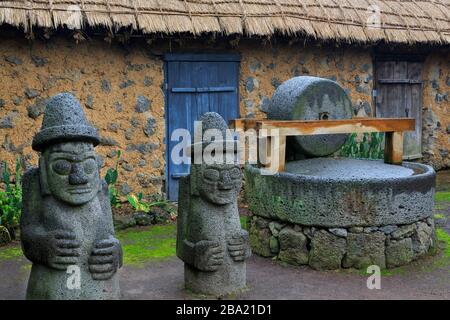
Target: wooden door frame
x: 190, y: 57
x: 382, y: 57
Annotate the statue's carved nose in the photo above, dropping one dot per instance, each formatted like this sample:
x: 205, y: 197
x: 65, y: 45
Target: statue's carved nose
x: 78, y: 176
x: 225, y: 184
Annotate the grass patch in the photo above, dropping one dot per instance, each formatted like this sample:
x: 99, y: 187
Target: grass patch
x: 146, y: 244
x: 444, y: 237
x: 10, y: 252
x: 442, y: 196
x: 438, y: 216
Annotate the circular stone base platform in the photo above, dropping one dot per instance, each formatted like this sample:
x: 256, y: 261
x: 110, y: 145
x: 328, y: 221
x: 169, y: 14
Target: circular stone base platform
x: 347, y: 169
x: 332, y: 213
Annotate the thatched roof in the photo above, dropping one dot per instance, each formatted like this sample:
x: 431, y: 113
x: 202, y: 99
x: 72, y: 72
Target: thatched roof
x: 402, y: 21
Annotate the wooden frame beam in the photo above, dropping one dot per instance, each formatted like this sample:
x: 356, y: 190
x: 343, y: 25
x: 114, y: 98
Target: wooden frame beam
x: 274, y: 132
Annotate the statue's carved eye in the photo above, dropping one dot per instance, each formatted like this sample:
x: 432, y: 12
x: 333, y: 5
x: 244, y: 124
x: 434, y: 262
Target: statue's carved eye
x: 235, y: 173
x: 90, y: 165
x: 62, y: 167
x: 211, y: 174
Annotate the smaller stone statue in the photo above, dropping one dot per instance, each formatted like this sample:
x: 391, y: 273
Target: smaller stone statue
x: 66, y: 226
x: 210, y: 239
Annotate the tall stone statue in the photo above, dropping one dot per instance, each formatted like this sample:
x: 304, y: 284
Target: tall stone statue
x: 210, y: 239
x: 66, y: 226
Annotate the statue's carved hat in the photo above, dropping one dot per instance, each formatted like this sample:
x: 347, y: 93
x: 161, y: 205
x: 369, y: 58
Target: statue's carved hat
x: 213, y: 121
x: 64, y: 120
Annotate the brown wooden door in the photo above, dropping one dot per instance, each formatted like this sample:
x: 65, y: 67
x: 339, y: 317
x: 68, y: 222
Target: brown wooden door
x: 399, y: 94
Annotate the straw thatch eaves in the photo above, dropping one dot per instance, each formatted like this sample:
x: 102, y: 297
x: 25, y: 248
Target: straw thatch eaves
x: 402, y: 21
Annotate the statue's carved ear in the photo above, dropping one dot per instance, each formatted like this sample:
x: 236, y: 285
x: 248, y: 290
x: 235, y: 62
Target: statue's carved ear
x: 99, y: 161
x: 45, y: 190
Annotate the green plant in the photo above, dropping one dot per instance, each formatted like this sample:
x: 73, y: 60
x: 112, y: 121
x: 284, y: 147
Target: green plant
x: 11, y: 200
x: 111, y: 179
x: 139, y: 204
x: 371, y: 146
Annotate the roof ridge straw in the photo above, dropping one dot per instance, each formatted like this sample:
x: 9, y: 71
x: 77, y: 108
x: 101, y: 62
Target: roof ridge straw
x: 403, y: 21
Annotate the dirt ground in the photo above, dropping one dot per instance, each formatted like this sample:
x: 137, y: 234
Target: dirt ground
x: 266, y: 279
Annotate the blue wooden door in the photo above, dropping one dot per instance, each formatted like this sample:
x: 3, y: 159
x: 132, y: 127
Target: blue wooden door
x: 195, y: 84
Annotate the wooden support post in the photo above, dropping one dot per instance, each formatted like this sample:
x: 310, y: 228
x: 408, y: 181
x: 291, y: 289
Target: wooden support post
x: 393, y: 148
x: 274, y: 152
x: 264, y: 150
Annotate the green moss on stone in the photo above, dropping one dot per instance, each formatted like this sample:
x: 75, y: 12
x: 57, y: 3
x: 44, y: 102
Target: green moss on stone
x: 141, y: 245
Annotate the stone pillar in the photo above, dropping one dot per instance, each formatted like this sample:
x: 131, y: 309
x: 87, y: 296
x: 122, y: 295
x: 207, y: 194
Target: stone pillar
x: 210, y: 239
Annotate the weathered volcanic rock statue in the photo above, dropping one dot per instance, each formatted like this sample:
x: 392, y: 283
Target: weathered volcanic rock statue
x: 210, y: 239
x: 66, y: 225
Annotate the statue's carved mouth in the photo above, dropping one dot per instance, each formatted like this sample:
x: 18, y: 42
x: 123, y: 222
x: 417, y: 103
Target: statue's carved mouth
x: 80, y: 190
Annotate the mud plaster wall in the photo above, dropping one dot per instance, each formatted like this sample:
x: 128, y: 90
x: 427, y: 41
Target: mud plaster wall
x: 119, y: 88
x: 436, y: 110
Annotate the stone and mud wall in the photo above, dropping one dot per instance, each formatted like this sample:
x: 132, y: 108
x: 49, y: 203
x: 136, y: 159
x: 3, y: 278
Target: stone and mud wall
x: 436, y: 110
x: 121, y: 87
x: 334, y: 248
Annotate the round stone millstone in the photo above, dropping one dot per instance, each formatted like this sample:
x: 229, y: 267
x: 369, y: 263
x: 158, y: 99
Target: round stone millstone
x: 311, y: 98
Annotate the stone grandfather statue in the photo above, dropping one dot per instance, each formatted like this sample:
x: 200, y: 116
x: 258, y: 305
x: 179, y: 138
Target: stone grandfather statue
x: 210, y: 239
x: 66, y: 226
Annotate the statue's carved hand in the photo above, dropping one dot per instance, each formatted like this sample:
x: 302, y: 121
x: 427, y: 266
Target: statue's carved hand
x: 238, y: 246
x: 63, y: 249
x: 105, y: 258
x: 208, y: 255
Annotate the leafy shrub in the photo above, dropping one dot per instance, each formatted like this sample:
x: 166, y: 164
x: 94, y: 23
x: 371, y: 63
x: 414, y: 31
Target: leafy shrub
x: 111, y: 179
x: 139, y: 204
x: 11, y: 200
x: 371, y: 146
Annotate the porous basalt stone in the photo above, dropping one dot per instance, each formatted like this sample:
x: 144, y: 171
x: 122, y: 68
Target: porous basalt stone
x: 142, y: 104
x: 293, y: 248
x: 66, y: 223
x: 124, y: 222
x: 311, y: 98
x: 143, y: 219
x: 210, y: 239
x: 64, y: 120
x: 365, y: 249
x: 399, y: 252
x: 327, y: 251
x: 274, y: 245
x: 14, y: 60
x: 259, y: 238
x: 403, y: 231
x: 7, y: 122
x: 422, y: 239
x: 293, y: 243
x: 379, y: 193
